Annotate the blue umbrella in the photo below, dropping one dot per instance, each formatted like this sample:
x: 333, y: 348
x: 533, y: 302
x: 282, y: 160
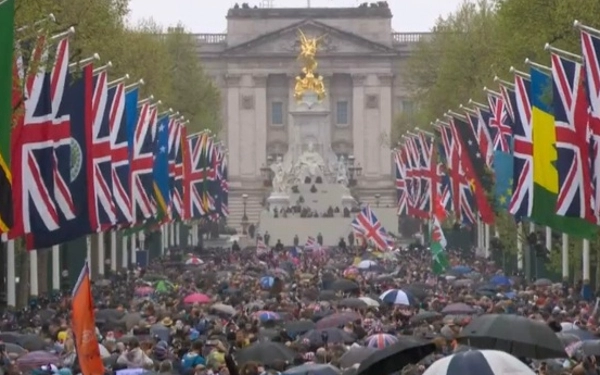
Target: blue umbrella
x: 501, y: 280
x: 462, y: 269
x: 266, y: 282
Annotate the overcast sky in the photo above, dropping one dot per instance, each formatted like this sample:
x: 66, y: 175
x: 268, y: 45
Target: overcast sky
x: 208, y: 16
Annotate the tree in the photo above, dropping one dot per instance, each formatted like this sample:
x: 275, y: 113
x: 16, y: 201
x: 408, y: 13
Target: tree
x: 194, y: 94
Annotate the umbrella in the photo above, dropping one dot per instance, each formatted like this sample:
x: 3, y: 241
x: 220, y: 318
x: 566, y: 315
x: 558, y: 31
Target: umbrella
x: 36, y: 359
x: 501, y: 280
x: 366, y: 264
x: 369, y: 301
x: 461, y: 270
x: 586, y: 348
x: 462, y: 282
x: 425, y: 316
x: 225, y: 309
x: 327, y: 295
x: 299, y: 326
x: 319, y: 337
x: 344, y: 285
x: 542, y: 282
x: 354, y: 303
x: 266, y: 282
x: 458, y: 308
x: 355, y: 355
x: 109, y: 314
x: 417, y: 291
x: 351, y: 272
x: 525, y: 338
x: 337, y: 320
x: 313, y: 369
x: 194, y: 261
x: 14, y: 348
x: 397, y: 297
x: 143, y: 291
x: 567, y: 338
x: 479, y: 362
x: 265, y: 352
x: 380, y: 340
x: 196, y: 298
x: 264, y: 315
x: 396, y: 356
x: 31, y: 342
x: 582, y: 334
x: 163, y: 286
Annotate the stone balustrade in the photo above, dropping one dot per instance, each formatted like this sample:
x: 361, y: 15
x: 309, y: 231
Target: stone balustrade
x: 397, y: 38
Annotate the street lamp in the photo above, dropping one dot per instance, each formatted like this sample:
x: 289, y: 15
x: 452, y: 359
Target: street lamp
x: 377, y: 197
x: 354, y: 170
x: 244, y: 216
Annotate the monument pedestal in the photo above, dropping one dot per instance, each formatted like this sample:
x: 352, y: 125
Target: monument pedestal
x: 278, y: 201
x: 348, y: 201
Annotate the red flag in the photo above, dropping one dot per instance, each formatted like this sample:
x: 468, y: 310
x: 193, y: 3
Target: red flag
x: 84, y: 326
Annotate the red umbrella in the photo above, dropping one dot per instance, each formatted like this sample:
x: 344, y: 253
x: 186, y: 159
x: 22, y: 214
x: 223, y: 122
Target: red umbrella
x: 197, y: 298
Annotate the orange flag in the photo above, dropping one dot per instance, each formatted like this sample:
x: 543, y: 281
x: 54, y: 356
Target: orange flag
x: 84, y: 326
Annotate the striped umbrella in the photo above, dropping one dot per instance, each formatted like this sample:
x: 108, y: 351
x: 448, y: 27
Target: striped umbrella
x: 380, y: 340
x: 479, y: 362
x: 194, y: 261
x: 397, y: 297
x: 351, y: 272
x: 264, y: 315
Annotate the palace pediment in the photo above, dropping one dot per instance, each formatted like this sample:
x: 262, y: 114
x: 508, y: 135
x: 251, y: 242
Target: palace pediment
x: 285, y: 42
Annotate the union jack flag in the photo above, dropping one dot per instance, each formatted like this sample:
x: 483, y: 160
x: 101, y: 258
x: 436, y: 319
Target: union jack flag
x: 41, y: 193
x: 412, y: 182
x: 176, y: 129
x: 223, y: 184
x: 571, y: 123
x: 479, y: 123
x: 102, y: 205
x: 198, y: 172
x: 591, y: 57
x: 142, y: 164
x: 370, y: 227
x: 261, y: 247
x: 429, y: 174
x: 521, y: 203
x: 119, y: 154
x: 414, y: 147
x: 311, y: 243
x: 444, y: 186
x: 400, y: 184
x: 500, y: 122
x: 460, y: 188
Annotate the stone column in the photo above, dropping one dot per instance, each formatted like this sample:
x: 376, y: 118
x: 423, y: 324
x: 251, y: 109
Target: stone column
x: 247, y: 128
x: 385, y: 122
x: 233, y: 123
x: 260, y: 116
x: 358, y: 117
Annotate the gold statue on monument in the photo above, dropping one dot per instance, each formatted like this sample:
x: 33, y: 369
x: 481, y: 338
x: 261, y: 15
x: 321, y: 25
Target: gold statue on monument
x: 309, y: 82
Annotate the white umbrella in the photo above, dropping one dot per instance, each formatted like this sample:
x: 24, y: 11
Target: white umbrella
x: 479, y: 362
x: 366, y: 264
x: 194, y: 261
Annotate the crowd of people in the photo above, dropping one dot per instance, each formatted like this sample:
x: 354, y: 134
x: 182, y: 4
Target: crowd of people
x: 344, y: 311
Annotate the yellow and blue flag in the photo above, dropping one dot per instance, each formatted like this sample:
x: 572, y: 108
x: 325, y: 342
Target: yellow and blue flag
x: 160, y: 172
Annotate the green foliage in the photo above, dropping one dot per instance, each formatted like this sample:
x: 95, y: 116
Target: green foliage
x: 167, y: 61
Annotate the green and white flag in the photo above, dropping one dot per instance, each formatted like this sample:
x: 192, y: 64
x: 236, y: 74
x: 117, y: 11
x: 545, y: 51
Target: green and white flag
x: 439, y: 262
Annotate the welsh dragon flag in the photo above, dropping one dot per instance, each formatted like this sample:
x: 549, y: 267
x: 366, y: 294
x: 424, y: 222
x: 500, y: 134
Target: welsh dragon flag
x: 439, y: 258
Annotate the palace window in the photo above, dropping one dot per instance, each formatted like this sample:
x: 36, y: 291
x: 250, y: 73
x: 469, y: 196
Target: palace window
x: 408, y: 107
x: 341, y: 112
x: 276, y: 113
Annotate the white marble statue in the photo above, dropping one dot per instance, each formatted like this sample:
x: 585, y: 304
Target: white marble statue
x: 280, y: 176
x: 341, y: 172
x: 310, y: 164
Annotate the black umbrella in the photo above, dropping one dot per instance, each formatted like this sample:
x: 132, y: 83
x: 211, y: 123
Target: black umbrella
x: 327, y: 295
x: 425, y: 316
x: 319, y: 337
x: 299, y: 327
x: 458, y: 308
x: 588, y: 348
x: 354, y: 303
x: 337, y: 320
x: 394, y: 357
x: 344, y: 285
x: 265, y: 352
x: 516, y: 335
x: 567, y: 338
x: 355, y: 355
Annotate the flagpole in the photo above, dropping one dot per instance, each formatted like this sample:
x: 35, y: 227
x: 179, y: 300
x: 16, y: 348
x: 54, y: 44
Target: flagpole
x: 85, y: 62
x: 469, y: 110
x: 502, y: 82
x: 424, y: 131
x: 118, y: 81
x: 49, y: 18
x: 479, y: 105
x: 144, y: 101
x: 591, y: 30
x: 455, y: 114
x: 135, y: 85
x: 519, y: 73
x: 566, y: 54
x: 11, y: 284
x: 103, y: 68
x: 65, y: 34
x: 541, y: 67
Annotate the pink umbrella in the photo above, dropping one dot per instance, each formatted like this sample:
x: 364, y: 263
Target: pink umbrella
x: 197, y: 298
x: 144, y: 291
